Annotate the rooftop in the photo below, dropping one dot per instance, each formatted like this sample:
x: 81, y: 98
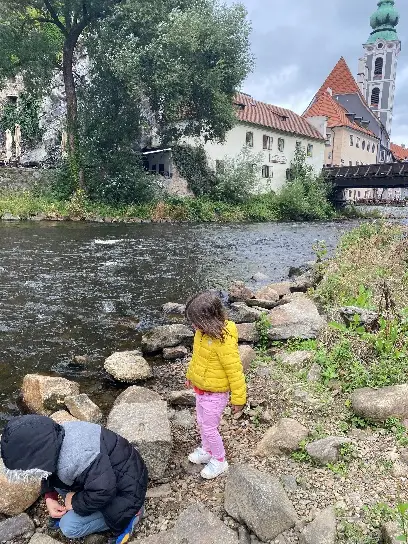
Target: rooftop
x: 400, y: 152
x: 266, y: 115
x: 340, y: 80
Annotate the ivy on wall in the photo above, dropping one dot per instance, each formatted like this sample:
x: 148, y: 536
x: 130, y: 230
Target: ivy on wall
x: 25, y: 112
x: 193, y: 166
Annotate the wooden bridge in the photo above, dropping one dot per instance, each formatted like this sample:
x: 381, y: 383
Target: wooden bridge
x: 386, y: 176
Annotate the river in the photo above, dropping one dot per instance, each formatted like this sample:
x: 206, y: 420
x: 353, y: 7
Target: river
x: 71, y: 289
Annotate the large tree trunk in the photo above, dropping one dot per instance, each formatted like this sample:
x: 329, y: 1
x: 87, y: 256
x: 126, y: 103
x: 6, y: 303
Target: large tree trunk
x: 72, y: 108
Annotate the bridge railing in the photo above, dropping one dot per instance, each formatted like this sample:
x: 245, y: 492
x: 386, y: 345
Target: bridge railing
x: 396, y: 169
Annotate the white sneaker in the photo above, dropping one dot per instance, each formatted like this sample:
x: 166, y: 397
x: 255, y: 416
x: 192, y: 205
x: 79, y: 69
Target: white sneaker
x: 199, y: 457
x: 214, y: 469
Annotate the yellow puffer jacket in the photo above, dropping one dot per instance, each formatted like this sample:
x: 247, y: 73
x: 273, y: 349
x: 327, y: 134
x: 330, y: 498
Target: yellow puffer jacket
x: 216, y: 365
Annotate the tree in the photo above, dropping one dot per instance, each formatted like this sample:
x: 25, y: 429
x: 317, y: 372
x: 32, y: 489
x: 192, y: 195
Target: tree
x: 28, y: 28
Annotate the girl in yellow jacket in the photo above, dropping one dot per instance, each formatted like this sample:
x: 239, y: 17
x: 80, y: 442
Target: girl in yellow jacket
x: 215, y: 371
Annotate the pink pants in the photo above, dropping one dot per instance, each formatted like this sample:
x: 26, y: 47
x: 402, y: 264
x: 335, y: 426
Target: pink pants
x: 210, y: 407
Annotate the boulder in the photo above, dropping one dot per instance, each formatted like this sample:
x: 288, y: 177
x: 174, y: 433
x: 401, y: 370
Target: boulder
x: 81, y: 407
x: 166, y: 336
x: 183, y: 419
x: 16, y: 528
x: 40, y: 538
x: 62, y: 416
x: 259, y: 277
x: 298, y: 359
x: 315, y: 373
x: 264, y: 304
x: 322, y: 530
x: 295, y: 271
x: 258, y: 500
x: 179, y: 352
x: 284, y: 437
x: 381, y: 404
x: 304, y: 282
x: 128, y: 366
x: 7, y: 216
x: 195, y: 525
x: 147, y: 427
x: 137, y: 395
x: 299, y: 318
x: 185, y: 397
x: 16, y: 497
x: 45, y: 394
x: 366, y: 318
x: 282, y: 289
x: 239, y: 292
x: 267, y: 293
x: 248, y: 355
x: 247, y: 332
x: 327, y: 450
x: 242, y: 313
x: 173, y: 308
x: 390, y: 533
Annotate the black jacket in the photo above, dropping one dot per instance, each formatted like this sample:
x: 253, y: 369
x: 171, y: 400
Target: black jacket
x: 104, y: 470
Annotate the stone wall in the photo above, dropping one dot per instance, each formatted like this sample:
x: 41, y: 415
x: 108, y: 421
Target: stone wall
x: 24, y: 178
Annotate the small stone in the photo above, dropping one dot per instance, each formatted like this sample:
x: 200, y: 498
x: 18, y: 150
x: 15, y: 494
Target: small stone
x: 315, y: 373
x: 81, y: 360
x: 322, y: 530
x: 167, y: 336
x: 247, y: 332
x: 284, y: 437
x: 247, y: 355
x: 40, y: 538
x: 62, y: 416
x: 159, y: 492
x: 289, y: 482
x: 81, y: 407
x: 137, y: 395
x: 128, y: 366
x: 179, y: 352
x: 173, y: 308
x: 239, y: 292
x: 259, y: 277
x: 16, y: 527
x: 185, y: 397
x: 295, y: 358
x: 262, y: 304
x: 365, y: 317
x: 327, y: 449
x: 240, y: 312
x: 45, y: 394
x: 399, y: 470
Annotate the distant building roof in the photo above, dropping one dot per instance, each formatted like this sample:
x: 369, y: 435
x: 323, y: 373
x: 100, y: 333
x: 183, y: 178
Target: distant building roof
x: 326, y: 105
x: 400, y: 152
x: 266, y: 115
x: 340, y: 80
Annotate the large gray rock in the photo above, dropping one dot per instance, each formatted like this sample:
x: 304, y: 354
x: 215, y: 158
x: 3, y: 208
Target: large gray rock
x: 40, y: 538
x: 179, y: 352
x: 185, y: 397
x: 82, y: 408
x: 195, y: 525
x: 298, y: 359
x: 258, y: 500
x: 62, y: 416
x: 381, y: 404
x: 46, y: 394
x: 240, y: 312
x: 366, y: 317
x: 15, y: 497
x: 327, y: 450
x: 128, y: 367
x: 264, y: 304
x: 299, y: 318
x: 137, y: 395
x: 260, y: 277
x: 147, y: 427
x: 247, y: 332
x: 284, y: 437
x: 322, y: 530
x: 166, y: 336
x: 16, y: 528
x: 282, y: 289
x: 239, y: 292
x: 247, y: 355
x: 267, y: 293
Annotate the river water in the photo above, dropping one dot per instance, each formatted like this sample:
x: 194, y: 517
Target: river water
x: 71, y: 289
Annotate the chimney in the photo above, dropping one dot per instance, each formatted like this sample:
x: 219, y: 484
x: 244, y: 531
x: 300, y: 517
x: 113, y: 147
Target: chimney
x: 403, y: 146
x: 330, y: 91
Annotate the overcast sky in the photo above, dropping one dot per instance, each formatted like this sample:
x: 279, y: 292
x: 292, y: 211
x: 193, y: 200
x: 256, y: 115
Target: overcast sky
x: 297, y: 43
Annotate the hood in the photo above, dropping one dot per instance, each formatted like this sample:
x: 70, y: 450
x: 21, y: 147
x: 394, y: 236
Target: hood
x: 30, y: 446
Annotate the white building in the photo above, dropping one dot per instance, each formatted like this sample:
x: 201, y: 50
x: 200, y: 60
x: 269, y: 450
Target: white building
x: 271, y: 135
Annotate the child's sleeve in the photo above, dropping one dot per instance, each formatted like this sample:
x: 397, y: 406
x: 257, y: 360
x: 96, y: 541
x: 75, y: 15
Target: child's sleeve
x: 231, y: 361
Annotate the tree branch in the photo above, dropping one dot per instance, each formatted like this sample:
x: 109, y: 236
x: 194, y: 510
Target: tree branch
x: 55, y: 18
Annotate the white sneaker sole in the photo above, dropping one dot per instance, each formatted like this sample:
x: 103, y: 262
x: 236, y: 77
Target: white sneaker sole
x: 198, y: 462
x: 213, y: 476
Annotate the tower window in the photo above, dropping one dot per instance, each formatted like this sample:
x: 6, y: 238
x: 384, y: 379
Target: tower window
x: 375, y: 97
x: 380, y: 45
x: 351, y: 140
x: 378, y: 69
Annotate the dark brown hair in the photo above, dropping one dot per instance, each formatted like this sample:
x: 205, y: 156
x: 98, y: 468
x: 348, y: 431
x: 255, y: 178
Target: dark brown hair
x: 207, y: 313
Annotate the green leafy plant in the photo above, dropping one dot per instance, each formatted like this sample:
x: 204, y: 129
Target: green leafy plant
x: 402, y: 509
x: 301, y: 455
x: 263, y: 326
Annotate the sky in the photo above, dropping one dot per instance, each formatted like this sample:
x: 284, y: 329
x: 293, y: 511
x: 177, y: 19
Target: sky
x: 297, y: 43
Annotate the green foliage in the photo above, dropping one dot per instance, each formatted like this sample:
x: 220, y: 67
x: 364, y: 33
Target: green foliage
x: 395, y: 426
x: 402, y: 510
x: 379, y: 514
x: 351, y: 533
x: 320, y: 250
x: 24, y: 113
x: 301, y: 455
x: 364, y: 299
x: 191, y: 162
x: 263, y: 326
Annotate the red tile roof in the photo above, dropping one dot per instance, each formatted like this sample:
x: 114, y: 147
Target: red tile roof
x: 400, y: 153
x: 266, y: 115
x: 340, y: 80
x: 326, y: 105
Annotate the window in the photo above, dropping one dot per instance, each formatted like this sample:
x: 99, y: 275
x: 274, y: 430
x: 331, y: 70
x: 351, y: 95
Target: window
x: 161, y: 169
x: 358, y: 194
x: 350, y: 193
x: 265, y: 171
x: 350, y: 163
x: 378, y: 69
x: 154, y: 167
x: 281, y: 144
x: 328, y: 139
x: 357, y: 163
x: 351, y: 140
x: 363, y: 145
x: 375, y: 96
x: 220, y: 167
x: 310, y: 150
x: 250, y: 139
x: 380, y: 45
x: 358, y: 142
x: 267, y: 142
x: 330, y: 155
x: 382, y: 155
x: 373, y: 148
x: 298, y: 145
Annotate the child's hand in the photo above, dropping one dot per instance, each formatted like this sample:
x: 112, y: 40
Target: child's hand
x: 237, y: 409
x: 54, y: 508
x: 68, y: 501
x: 188, y: 384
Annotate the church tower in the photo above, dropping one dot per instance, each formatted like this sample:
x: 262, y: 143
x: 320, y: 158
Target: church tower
x: 378, y: 68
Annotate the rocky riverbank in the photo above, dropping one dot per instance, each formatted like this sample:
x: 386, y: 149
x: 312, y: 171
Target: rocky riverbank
x: 318, y: 455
